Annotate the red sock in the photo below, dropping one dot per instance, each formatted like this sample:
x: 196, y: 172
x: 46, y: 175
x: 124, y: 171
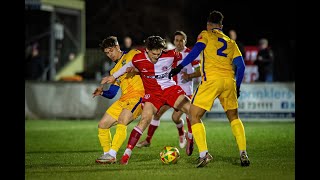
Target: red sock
x: 151, y: 130
x: 134, y: 137
x: 189, y: 124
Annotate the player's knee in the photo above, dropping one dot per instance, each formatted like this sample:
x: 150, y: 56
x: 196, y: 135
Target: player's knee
x: 102, y: 124
x: 232, y: 114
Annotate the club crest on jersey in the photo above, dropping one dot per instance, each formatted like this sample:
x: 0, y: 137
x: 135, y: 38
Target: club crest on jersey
x: 199, y: 37
x: 147, y: 96
x: 124, y: 62
x: 165, y: 68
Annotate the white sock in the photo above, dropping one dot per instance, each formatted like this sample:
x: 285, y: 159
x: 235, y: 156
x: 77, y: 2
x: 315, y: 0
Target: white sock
x: 155, y: 122
x: 105, y: 153
x: 128, y: 151
x: 203, y: 153
x: 180, y: 124
x: 113, y: 153
x: 243, y: 151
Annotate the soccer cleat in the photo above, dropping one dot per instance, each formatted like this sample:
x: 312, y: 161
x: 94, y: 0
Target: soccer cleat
x: 244, y: 159
x: 125, y: 159
x: 182, y: 141
x: 189, y: 148
x: 106, y: 159
x: 204, y: 161
x: 143, y: 143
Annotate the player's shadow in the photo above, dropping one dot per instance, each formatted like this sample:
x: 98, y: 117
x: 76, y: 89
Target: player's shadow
x: 232, y: 160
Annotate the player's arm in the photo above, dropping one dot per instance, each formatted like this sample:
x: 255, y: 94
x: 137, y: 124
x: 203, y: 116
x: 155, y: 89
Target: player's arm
x: 189, y: 77
x: 240, y: 68
x: 110, y: 93
x: 194, y: 53
x: 114, y: 76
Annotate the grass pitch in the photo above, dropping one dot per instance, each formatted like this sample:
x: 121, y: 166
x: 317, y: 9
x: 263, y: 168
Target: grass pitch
x: 60, y: 149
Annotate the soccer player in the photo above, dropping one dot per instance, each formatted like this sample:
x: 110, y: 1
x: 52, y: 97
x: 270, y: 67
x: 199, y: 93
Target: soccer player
x: 126, y: 108
x: 184, y: 80
x: 154, y: 65
x: 219, y: 56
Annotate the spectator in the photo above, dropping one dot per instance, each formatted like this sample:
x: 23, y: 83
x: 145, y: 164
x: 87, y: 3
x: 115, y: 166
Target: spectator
x: 169, y: 44
x: 233, y: 36
x: 35, y: 64
x: 264, y: 61
x: 127, y: 44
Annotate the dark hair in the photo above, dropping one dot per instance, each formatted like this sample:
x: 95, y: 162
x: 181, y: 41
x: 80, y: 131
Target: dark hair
x: 182, y: 34
x: 155, y: 42
x: 109, y: 42
x: 215, y: 17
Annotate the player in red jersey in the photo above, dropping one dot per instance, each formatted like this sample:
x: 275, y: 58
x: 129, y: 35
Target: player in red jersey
x: 184, y: 80
x: 154, y: 65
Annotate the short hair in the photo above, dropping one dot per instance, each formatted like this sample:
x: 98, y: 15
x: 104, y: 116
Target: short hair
x: 155, y: 42
x: 215, y: 17
x: 110, y: 41
x: 182, y: 34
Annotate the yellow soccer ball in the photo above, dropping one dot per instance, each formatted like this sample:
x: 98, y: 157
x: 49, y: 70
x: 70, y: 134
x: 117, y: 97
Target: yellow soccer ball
x: 169, y: 155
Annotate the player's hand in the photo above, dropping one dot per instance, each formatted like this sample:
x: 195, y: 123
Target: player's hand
x: 238, y: 91
x: 185, y: 76
x: 175, y: 71
x: 98, y: 91
x: 108, y: 79
x: 130, y: 69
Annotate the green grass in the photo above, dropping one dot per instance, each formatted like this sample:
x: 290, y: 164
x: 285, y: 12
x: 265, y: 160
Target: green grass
x: 57, y: 149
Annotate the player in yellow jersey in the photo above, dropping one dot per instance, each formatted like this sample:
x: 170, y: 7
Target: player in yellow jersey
x: 222, y: 70
x: 126, y: 108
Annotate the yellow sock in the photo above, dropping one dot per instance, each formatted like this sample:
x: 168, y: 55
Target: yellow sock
x: 119, y: 137
x: 105, y: 139
x: 239, y: 134
x: 199, y: 135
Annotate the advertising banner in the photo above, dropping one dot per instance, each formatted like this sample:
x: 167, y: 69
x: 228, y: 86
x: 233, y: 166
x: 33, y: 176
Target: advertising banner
x: 262, y: 100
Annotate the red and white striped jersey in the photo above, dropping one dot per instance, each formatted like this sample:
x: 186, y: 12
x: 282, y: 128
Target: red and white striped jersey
x: 155, y: 76
x: 187, y: 86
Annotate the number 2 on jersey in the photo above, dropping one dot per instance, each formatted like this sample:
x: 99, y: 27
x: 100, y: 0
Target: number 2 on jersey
x: 224, y: 47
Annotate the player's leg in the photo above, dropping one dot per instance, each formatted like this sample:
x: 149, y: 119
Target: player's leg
x: 179, y: 101
x: 154, y: 124
x: 131, y: 110
x: 239, y: 134
x: 188, y: 120
x: 201, y: 102
x: 176, y: 118
x: 185, y: 138
x: 146, y: 116
x: 189, y: 136
x: 108, y: 120
x: 199, y: 134
x: 229, y: 102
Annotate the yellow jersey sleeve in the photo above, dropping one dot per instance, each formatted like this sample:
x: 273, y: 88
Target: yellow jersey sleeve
x: 130, y: 84
x: 237, y: 52
x: 203, y: 37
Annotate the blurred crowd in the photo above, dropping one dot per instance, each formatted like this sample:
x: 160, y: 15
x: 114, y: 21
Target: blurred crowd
x: 262, y: 62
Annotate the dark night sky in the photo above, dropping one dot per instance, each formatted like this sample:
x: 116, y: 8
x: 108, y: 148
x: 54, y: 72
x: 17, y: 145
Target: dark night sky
x: 251, y: 19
